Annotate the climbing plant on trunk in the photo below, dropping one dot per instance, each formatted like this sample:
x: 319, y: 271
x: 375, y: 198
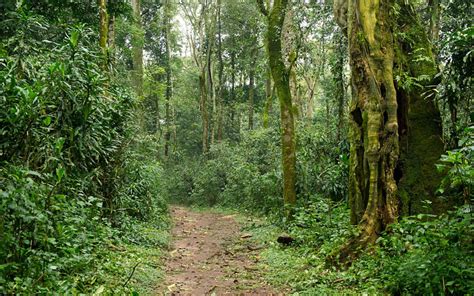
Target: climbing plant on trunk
x: 386, y: 111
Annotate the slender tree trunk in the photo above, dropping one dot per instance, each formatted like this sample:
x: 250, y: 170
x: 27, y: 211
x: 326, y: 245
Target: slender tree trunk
x: 103, y: 25
x: 137, y: 49
x: 111, y: 40
x: 338, y: 76
x: 281, y: 78
x: 435, y: 17
x: 204, y: 114
x: 169, y: 86
x: 220, y: 75
x: 269, y: 96
x: 251, y: 90
x: 103, y: 29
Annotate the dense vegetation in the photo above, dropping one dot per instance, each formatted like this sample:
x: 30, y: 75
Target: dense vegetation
x: 346, y: 126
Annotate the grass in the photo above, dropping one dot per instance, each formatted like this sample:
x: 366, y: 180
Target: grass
x: 135, y: 268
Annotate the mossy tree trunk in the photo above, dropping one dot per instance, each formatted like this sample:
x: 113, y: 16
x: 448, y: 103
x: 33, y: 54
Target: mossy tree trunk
x: 419, y: 119
x: 373, y: 119
x: 103, y: 24
x: 394, y: 130
x: 281, y: 77
x: 269, y: 98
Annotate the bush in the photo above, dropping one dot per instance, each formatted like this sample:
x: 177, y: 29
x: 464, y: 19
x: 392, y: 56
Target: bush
x: 429, y: 257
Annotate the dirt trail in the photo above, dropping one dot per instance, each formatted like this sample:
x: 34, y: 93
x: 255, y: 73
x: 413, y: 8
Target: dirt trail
x: 211, y: 256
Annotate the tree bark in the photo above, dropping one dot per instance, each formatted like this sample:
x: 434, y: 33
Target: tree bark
x: 420, y: 121
x: 169, y: 86
x: 269, y: 98
x: 394, y: 132
x: 373, y: 120
x: 251, y: 90
x: 137, y: 49
x: 220, y: 75
x: 103, y: 25
x: 281, y: 78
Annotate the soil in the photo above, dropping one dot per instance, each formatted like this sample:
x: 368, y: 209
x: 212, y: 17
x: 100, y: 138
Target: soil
x: 212, y: 256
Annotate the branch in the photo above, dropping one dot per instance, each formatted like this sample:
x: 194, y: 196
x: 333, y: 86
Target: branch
x: 262, y: 8
x: 133, y: 271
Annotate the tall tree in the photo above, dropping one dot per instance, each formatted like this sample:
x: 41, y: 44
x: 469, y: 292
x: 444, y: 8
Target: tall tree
x: 275, y: 16
x: 202, y: 19
x: 385, y: 113
x: 169, y: 86
x: 137, y: 48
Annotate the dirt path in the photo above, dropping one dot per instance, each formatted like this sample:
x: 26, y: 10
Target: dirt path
x: 211, y: 256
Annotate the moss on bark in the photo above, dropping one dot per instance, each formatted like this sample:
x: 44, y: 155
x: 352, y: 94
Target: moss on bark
x: 281, y: 79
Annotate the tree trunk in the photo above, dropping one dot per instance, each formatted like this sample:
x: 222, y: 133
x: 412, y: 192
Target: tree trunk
x: 169, y: 86
x: 251, y: 90
x: 220, y: 109
x: 373, y: 120
x: 420, y: 122
x: 103, y: 25
x: 338, y: 76
x: 269, y: 97
x: 137, y: 49
x: 281, y: 78
x: 394, y: 133
x: 435, y: 17
x: 204, y: 114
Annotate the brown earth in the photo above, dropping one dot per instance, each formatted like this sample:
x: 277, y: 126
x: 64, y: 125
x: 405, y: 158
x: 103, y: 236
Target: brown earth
x: 211, y: 256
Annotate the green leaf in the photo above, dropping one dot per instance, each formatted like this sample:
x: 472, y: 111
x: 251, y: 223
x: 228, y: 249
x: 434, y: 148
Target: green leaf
x: 47, y: 120
x: 60, y: 173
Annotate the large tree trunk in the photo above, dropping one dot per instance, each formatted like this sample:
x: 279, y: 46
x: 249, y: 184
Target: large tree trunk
x: 374, y: 124
x: 391, y: 129
x: 281, y: 78
x: 419, y: 120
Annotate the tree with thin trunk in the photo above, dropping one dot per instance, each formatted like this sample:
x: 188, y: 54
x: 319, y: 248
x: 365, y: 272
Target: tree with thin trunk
x: 169, y: 86
x: 103, y: 25
x: 275, y: 16
x: 137, y: 48
x: 202, y: 19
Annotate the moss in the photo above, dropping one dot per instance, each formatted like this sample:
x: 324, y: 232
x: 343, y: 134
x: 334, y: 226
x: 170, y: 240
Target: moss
x: 421, y: 136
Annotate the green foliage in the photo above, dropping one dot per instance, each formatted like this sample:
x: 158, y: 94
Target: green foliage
x: 72, y: 181
x: 422, y: 255
x: 245, y: 176
x: 322, y: 164
x: 427, y: 257
x: 458, y: 166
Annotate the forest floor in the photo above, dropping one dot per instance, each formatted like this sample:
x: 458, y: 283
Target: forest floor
x: 210, y: 255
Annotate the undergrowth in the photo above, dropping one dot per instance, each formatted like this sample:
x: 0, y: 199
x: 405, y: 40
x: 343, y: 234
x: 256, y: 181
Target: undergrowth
x: 419, y: 256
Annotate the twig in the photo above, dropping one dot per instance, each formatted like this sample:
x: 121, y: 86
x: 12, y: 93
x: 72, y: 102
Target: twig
x: 130, y: 276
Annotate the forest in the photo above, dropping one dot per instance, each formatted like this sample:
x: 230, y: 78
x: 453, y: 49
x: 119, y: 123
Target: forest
x: 236, y: 147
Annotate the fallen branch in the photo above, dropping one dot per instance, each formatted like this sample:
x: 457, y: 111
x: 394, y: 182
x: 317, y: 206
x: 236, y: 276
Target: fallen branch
x: 131, y: 274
